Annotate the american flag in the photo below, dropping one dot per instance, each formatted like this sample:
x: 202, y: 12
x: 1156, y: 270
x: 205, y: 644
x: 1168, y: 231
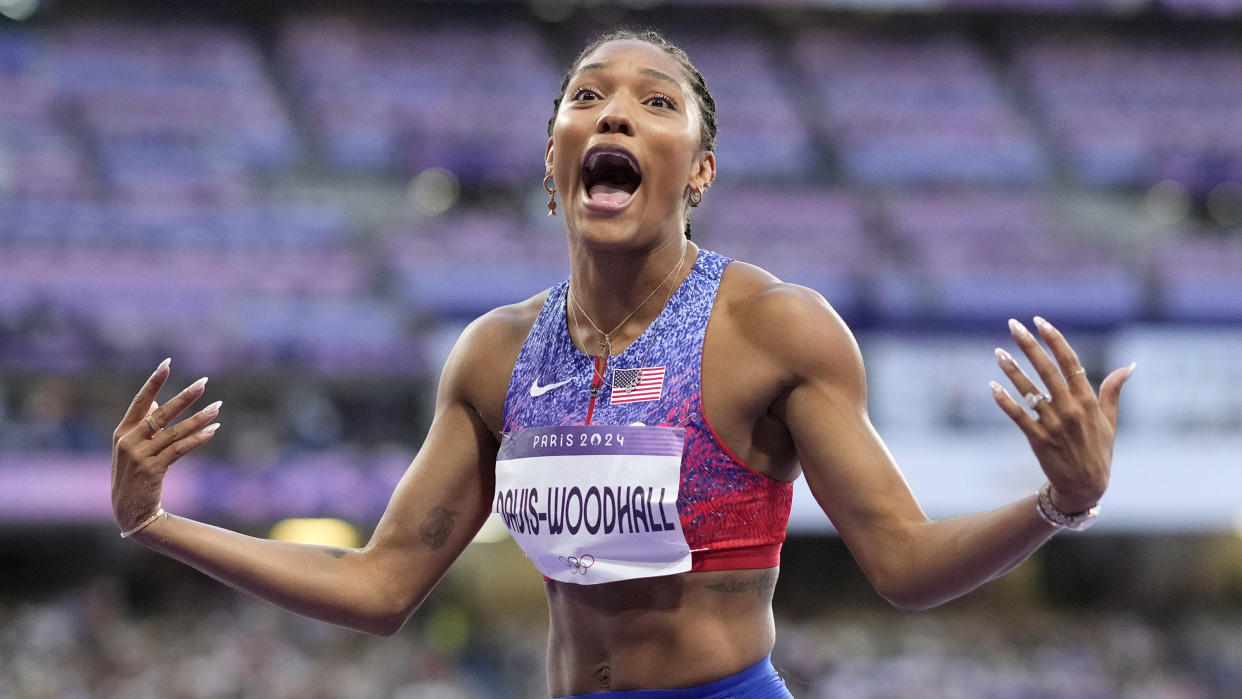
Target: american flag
x: 637, y: 385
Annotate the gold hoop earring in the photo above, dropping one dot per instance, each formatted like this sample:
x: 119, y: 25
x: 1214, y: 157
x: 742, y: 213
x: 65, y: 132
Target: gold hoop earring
x: 549, y: 186
x: 696, y: 197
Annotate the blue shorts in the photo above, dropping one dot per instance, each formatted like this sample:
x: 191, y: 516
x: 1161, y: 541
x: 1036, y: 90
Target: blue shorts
x: 759, y: 681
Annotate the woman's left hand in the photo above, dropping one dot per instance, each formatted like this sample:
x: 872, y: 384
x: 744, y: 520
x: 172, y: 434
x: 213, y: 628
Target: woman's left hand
x: 1073, y: 430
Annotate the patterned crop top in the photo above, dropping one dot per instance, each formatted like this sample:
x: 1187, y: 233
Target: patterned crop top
x: 733, y: 517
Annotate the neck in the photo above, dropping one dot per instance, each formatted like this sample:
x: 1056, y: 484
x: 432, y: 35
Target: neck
x: 610, y: 284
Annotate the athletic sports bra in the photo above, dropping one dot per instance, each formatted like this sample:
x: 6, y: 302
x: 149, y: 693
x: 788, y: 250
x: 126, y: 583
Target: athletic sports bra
x: 732, y: 517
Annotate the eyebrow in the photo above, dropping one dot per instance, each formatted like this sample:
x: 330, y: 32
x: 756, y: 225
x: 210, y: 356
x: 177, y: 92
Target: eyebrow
x: 649, y: 72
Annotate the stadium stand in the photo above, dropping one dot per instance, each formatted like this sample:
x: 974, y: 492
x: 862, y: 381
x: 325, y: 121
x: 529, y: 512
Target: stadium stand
x: 239, y: 189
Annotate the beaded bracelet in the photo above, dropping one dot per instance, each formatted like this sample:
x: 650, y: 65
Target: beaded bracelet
x: 144, y: 523
x: 1063, y: 520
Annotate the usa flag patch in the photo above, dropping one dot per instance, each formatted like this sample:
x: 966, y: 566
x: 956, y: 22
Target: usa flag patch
x: 637, y: 385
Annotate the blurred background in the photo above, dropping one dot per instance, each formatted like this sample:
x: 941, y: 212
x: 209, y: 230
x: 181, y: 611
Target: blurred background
x: 307, y: 201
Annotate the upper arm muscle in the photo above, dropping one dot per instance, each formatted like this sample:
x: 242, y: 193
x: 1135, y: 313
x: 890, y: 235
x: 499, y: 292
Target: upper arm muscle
x: 445, y: 495
x: 849, y: 470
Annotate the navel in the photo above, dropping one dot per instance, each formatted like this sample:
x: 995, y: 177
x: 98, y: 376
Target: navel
x: 603, y: 676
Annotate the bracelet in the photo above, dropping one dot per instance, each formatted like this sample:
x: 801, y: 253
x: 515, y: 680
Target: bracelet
x: 144, y: 523
x: 1063, y: 520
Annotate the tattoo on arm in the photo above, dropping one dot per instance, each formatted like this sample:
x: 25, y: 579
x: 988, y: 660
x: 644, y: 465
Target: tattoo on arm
x: 437, y: 527
x: 336, y: 553
x: 765, y: 582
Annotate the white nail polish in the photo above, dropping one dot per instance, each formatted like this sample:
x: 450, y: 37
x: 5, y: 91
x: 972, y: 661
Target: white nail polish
x: 209, y: 429
x: 198, y: 385
x: 213, y: 408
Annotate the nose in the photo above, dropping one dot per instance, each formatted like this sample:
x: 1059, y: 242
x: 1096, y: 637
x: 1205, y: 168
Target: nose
x: 615, y: 119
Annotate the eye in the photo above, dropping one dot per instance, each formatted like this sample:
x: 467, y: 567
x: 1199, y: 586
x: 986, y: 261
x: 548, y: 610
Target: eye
x: 584, y: 94
x: 662, y: 101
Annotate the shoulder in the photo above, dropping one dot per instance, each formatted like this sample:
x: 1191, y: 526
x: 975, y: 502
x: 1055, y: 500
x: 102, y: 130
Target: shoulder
x: 477, y: 371
x: 500, y: 329
x: 791, y: 324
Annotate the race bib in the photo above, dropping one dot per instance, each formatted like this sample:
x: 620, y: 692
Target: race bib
x: 594, y: 504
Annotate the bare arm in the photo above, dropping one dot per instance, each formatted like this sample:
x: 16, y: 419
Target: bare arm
x: 913, y: 561
x: 438, y: 506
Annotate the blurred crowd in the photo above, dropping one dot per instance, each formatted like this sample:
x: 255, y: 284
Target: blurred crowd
x: 212, y: 644
x: 308, y: 205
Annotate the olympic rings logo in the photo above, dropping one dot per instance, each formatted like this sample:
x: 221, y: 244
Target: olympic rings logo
x: 578, y: 564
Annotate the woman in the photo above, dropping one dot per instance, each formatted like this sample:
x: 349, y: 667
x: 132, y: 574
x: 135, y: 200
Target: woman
x: 687, y: 393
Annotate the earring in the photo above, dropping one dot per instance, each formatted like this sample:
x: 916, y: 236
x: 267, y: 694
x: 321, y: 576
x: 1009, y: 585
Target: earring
x: 696, y: 197
x: 549, y: 186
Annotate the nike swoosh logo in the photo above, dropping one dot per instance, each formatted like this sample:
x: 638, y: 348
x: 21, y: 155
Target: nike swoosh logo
x: 536, y: 390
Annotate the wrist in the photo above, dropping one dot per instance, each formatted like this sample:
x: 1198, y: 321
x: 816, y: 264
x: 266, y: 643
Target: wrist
x: 1055, y: 516
x: 1071, y: 504
x: 144, y: 523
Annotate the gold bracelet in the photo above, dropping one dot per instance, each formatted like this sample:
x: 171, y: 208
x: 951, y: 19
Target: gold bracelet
x: 143, y: 524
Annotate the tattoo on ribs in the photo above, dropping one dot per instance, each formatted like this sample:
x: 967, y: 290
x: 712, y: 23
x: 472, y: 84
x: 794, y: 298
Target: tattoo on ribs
x: 758, y: 585
x: 437, y: 527
x: 336, y: 553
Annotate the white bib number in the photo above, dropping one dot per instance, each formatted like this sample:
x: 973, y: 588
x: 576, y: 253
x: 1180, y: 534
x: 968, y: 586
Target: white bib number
x: 594, y: 504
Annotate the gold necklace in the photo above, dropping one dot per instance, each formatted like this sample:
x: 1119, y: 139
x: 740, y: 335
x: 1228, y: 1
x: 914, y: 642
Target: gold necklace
x: 606, y: 345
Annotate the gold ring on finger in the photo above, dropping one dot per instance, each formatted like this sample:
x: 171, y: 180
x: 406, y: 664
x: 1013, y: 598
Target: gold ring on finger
x: 1034, y: 399
x: 1077, y: 372
x: 155, y: 427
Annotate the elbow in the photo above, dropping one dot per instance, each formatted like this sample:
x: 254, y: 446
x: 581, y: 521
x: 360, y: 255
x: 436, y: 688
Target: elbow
x: 384, y: 621
x: 390, y: 618
x: 384, y: 626
x: 391, y: 608
x: 908, y: 596
x: 908, y: 604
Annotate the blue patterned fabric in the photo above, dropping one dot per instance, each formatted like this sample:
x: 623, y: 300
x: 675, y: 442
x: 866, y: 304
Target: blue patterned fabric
x: 759, y: 681
x: 733, y: 517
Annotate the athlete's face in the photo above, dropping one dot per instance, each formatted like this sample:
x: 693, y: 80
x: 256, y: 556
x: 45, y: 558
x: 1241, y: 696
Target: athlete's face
x: 625, y: 146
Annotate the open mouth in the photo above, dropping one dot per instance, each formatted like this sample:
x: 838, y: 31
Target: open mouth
x: 610, y: 175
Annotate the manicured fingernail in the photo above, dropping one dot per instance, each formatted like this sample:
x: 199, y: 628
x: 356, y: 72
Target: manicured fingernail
x: 162, y: 366
x: 209, y: 429
x: 1042, y: 324
x: 213, y: 408
x: 997, y: 390
x: 1017, y: 328
x: 197, y: 386
x: 1003, y: 356
x: 1130, y: 369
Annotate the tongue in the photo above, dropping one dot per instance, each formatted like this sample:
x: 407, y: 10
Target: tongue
x: 609, y: 194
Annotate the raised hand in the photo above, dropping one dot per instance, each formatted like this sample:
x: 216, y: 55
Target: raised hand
x: 1073, y: 429
x: 147, y: 442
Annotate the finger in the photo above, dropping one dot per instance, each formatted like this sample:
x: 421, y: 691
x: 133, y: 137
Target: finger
x: 185, y: 445
x: 146, y: 395
x: 1067, y: 358
x: 1019, y: 378
x: 1110, y: 391
x: 188, y: 426
x: 1029, y: 425
x: 1044, y: 366
x: 166, y: 413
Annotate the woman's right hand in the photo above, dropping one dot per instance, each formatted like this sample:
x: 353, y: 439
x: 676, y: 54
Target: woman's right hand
x: 146, y: 443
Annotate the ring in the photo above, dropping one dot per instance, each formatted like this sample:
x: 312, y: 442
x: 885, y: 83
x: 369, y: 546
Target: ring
x: 1034, y: 399
x: 1076, y: 372
x: 155, y: 427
